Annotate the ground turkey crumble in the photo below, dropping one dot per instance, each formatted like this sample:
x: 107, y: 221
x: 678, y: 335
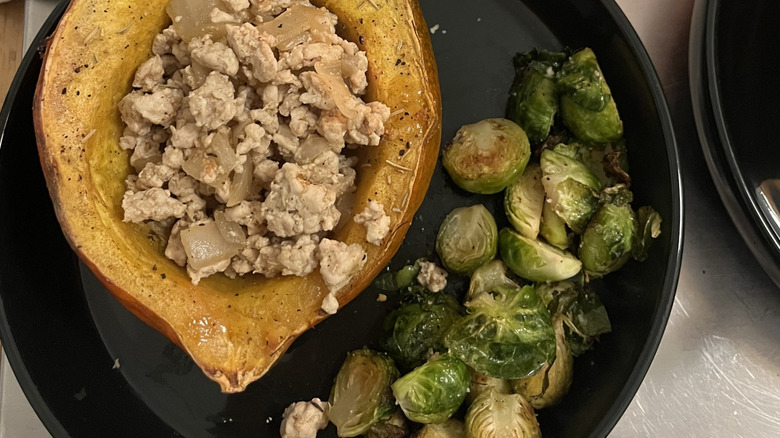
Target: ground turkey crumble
x: 236, y: 138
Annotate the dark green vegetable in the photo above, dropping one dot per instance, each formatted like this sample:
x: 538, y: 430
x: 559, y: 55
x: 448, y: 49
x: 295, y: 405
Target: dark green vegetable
x: 553, y: 228
x: 416, y: 330
x: 508, y: 334
x: 391, y: 427
x: 581, y: 310
x: 535, y: 260
x: 587, y: 107
x: 486, y: 156
x: 488, y: 278
x: 404, y: 277
x: 552, y: 382
x: 433, y: 392
x: 467, y: 239
x: 361, y: 395
x: 533, y: 98
x: 609, y: 239
x: 523, y: 202
x: 572, y: 190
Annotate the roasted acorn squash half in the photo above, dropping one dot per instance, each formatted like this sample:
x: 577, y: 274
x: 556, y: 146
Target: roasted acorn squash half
x: 233, y: 329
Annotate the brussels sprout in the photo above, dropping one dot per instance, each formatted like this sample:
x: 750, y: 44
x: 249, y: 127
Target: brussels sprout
x: 488, y: 278
x: 572, y: 190
x: 467, y: 239
x: 649, y: 230
x: 552, y: 382
x: 553, y: 228
x: 487, y: 156
x: 434, y: 391
x: 391, y: 427
x: 417, y: 329
x: 581, y: 310
x: 361, y: 394
x: 535, y: 260
x: 523, y: 201
x: 587, y: 106
x: 533, y: 98
x: 404, y: 277
x: 451, y: 428
x: 481, y: 383
x: 508, y: 334
x: 494, y: 415
x: 607, y: 243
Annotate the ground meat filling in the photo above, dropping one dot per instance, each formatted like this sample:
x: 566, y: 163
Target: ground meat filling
x: 236, y: 130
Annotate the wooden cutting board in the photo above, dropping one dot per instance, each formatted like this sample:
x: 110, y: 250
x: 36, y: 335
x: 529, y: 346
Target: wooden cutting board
x: 11, y: 38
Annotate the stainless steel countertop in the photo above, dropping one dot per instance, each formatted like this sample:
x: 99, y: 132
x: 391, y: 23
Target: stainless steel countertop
x: 717, y: 370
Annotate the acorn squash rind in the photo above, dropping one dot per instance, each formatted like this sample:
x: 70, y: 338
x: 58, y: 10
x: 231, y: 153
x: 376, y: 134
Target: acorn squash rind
x: 233, y: 329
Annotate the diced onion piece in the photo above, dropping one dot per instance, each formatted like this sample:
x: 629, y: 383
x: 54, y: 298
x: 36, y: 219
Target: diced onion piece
x: 226, y: 156
x: 336, y: 88
x: 205, y: 245
x: 241, y: 184
x: 191, y: 18
x: 230, y: 231
x: 238, y: 132
x: 297, y: 25
x: 311, y: 148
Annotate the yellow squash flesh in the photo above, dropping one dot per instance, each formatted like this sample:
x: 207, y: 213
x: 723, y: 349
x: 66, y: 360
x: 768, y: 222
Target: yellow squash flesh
x: 233, y: 329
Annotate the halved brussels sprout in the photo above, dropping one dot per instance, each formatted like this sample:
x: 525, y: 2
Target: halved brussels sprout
x: 508, y: 334
x: 552, y: 382
x: 494, y: 415
x: 533, y: 98
x: 481, y: 383
x: 535, y: 260
x: 488, y: 278
x: 433, y: 392
x: 467, y: 239
x: 451, y: 428
x: 391, y: 427
x: 581, y: 310
x: 417, y: 329
x: 486, y: 156
x: 553, y: 228
x: 361, y: 395
x: 572, y: 190
x: 607, y: 243
x: 649, y: 230
x: 523, y: 202
x: 587, y: 106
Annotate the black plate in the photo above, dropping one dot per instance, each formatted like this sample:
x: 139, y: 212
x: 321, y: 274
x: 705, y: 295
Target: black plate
x: 735, y: 106
x: 62, y: 330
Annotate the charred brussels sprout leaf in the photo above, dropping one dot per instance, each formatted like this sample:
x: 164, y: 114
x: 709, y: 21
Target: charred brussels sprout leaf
x: 391, y: 427
x: 467, y: 239
x: 535, y: 260
x: 432, y: 392
x: 507, y: 334
x: 533, y: 98
x: 486, y: 156
x: 494, y: 415
x: 587, y: 106
x: 609, y: 240
x: 361, y: 395
x: 488, y: 278
x: 523, y: 202
x: 417, y: 329
x: 451, y: 428
x: 548, y: 386
x: 572, y: 190
x: 581, y: 310
x: 649, y: 230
